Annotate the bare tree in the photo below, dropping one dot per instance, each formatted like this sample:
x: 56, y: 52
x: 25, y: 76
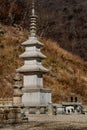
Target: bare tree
x: 11, y: 15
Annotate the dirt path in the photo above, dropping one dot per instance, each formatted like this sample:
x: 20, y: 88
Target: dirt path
x: 60, y: 122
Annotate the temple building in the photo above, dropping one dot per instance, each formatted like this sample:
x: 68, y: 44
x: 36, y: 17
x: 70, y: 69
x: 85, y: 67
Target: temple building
x: 34, y: 93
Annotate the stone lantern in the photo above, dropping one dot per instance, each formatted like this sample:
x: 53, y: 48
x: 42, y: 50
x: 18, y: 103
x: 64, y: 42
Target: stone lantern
x: 17, y: 95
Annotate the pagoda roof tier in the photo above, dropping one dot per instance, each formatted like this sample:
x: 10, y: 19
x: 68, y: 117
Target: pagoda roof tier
x: 32, y: 55
x: 32, y: 69
x: 32, y: 41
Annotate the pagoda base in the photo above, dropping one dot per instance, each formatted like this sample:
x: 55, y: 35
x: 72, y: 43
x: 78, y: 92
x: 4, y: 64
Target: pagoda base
x: 36, y: 97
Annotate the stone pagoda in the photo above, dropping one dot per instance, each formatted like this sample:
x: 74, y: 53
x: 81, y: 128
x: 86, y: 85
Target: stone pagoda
x: 33, y: 92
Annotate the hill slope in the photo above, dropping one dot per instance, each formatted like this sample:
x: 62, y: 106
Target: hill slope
x: 64, y: 21
x: 68, y: 73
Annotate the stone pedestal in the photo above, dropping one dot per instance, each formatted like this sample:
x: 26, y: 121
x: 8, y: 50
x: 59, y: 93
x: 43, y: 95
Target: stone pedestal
x: 36, y: 97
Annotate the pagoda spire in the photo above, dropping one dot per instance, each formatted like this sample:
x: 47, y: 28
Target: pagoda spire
x: 33, y: 21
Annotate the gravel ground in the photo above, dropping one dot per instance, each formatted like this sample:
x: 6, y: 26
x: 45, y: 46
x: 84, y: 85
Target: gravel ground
x: 60, y: 122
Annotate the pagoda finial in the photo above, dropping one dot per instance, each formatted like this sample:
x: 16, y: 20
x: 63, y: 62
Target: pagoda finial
x: 33, y: 21
x: 33, y: 7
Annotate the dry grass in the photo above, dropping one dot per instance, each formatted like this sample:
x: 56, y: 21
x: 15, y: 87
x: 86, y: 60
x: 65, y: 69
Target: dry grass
x: 68, y: 73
